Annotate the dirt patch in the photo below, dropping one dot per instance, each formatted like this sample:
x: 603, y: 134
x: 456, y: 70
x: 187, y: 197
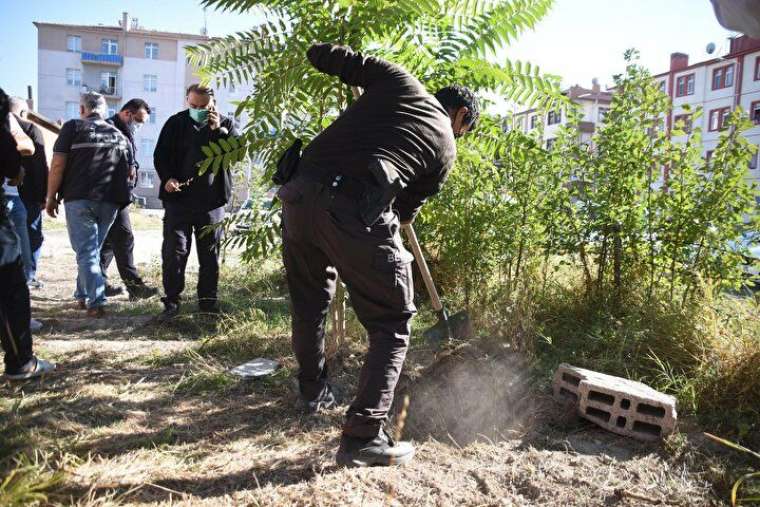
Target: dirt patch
x: 472, y: 393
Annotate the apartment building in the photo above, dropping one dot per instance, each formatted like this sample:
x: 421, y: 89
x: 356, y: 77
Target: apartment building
x: 593, y: 106
x: 121, y: 62
x: 717, y: 86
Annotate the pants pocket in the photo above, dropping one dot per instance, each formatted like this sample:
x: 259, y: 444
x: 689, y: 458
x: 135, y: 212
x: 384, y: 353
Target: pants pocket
x: 395, y: 265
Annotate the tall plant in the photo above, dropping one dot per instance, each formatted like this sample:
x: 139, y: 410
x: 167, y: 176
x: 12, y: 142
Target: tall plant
x: 439, y: 41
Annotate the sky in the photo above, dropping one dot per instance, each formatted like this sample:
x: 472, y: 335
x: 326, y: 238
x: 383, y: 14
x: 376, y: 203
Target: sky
x: 578, y: 40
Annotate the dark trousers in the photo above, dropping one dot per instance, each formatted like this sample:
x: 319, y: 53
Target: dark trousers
x: 34, y: 227
x: 180, y: 224
x: 120, y: 245
x: 323, y: 236
x: 14, y: 317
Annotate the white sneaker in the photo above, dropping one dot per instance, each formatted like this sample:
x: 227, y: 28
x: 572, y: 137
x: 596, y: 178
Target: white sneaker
x: 35, y: 325
x: 41, y: 367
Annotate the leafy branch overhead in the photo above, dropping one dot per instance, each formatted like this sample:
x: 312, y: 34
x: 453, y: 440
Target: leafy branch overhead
x: 440, y: 41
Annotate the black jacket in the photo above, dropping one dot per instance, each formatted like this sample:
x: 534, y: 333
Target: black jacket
x: 116, y: 122
x: 395, y: 124
x: 34, y: 189
x: 177, y: 155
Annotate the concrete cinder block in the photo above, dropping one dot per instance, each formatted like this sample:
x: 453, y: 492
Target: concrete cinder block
x: 619, y: 405
x: 567, y: 380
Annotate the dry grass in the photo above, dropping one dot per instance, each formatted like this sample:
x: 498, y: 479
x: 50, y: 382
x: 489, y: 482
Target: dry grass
x: 147, y: 415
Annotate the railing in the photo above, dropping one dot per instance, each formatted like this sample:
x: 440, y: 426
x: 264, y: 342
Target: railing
x: 102, y: 58
x: 108, y: 91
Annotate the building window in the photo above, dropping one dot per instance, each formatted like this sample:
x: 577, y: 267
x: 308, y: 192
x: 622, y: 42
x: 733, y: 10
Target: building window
x: 554, y: 117
x: 662, y: 86
x: 145, y: 179
x: 602, y: 114
x: 718, y: 118
x: 533, y: 121
x: 550, y: 144
x: 708, y: 156
x: 151, y: 50
x: 73, y: 77
x: 685, y: 85
x: 757, y: 68
x: 109, y: 46
x: 74, y: 43
x: 153, y: 115
x: 754, y: 112
x: 686, y: 119
x: 723, y: 77
x: 108, y: 83
x: 72, y: 110
x: 150, y: 82
x: 753, y: 161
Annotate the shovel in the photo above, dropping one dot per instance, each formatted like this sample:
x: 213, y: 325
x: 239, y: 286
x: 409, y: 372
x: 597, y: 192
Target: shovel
x: 448, y: 327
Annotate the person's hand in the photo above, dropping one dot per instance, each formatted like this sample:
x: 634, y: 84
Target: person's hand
x: 172, y: 186
x: 214, y: 120
x: 18, y: 180
x: 132, y: 176
x: 51, y: 207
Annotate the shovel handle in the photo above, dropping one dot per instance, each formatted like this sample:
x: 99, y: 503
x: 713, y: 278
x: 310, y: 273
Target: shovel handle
x: 426, y: 276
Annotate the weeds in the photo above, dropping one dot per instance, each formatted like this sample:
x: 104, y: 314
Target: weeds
x: 29, y: 481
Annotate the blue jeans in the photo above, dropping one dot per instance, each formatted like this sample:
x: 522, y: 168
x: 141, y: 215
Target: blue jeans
x: 88, y: 223
x: 17, y: 214
x: 34, y: 228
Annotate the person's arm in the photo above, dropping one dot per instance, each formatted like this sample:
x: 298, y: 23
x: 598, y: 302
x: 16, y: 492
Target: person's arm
x: 410, y: 200
x: 61, y: 150
x: 163, y: 157
x: 55, y: 179
x: 354, y: 69
x: 36, y: 186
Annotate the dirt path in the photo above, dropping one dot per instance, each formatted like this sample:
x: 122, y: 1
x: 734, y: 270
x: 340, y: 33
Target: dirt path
x: 144, y: 415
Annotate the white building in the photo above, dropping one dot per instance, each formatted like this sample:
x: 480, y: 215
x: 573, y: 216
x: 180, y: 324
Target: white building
x: 717, y: 86
x: 122, y: 62
x: 593, y: 106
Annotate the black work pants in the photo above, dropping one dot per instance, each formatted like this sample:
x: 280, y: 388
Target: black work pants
x: 323, y: 235
x: 180, y: 224
x: 120, y: 245
x: 14, y: 317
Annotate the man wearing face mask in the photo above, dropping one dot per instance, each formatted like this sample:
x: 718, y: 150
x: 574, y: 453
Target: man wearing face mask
x: 368, y: 172
x: 192, y: 201
x: 120, y: 242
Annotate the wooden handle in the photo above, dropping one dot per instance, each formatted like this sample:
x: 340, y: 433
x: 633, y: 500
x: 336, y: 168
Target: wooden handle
x: 426, y: 276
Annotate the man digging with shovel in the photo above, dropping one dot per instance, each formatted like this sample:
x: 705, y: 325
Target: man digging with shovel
x: 361, y: 178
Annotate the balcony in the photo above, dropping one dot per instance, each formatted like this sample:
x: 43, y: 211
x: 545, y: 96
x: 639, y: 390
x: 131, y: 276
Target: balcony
x: 109, y: 92
x: 103, y: 59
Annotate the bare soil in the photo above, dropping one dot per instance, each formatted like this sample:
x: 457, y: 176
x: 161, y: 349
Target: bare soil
x: 141, y: 414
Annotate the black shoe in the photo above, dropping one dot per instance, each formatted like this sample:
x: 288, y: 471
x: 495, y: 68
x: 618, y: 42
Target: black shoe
x: 210, y: 307
x: 113, y: 290
x: 141, y: 291
x: 171, y: 310
x: 326, y: 400
x: 378, y: 451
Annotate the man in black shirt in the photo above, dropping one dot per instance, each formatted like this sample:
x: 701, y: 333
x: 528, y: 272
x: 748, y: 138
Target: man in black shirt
x: 91, y: 169
x: 192, y: 202
x: 120, y: 242
x: 34, y: 189
x: 358, y: 180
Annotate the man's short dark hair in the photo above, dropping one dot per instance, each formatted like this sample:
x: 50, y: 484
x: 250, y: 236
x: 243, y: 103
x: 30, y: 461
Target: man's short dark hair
x: 134, y: 105
x: 199, y: 89
x: 4, y: 107
x: 454, y: 97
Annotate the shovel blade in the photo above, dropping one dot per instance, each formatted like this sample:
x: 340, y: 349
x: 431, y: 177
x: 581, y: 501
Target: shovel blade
x: 456, y: 327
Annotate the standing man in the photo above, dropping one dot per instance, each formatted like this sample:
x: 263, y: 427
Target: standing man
x: 34, y: 188
x: 357, y: 182
x: 120, y: 242
x: 15, y: 335
x: 192, y: 201
x: 91, y: 165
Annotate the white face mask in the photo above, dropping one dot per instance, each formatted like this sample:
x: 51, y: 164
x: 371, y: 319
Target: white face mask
x: 134, y: 127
